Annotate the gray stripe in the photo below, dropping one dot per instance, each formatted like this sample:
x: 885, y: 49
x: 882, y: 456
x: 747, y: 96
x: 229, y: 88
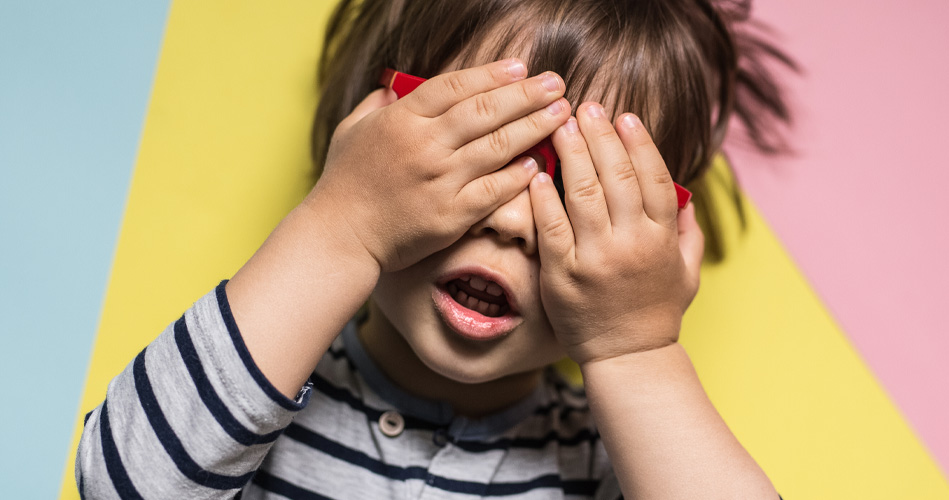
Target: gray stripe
x: 90, y: 463
x: 145, y: 460
x: 189, y: 417
x: 227, y: 373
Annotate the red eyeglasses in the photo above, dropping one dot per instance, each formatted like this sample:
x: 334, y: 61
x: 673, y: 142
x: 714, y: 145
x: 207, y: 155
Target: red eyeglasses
x: 402, y: 84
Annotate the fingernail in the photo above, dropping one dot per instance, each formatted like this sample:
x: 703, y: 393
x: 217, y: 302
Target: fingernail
x: 555, y: 107
x: 595, y: 111
x: 571, y: 125
x: 630, y: 121
x: 516, y: 68
x: 550, y: 81
x: 542, y: 177
x: 529, y: 163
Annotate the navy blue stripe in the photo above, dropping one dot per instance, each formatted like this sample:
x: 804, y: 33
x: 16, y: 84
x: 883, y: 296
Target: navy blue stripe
x: 584, y: 436
x: 210, y: 397
x: 169, y: 440
x: 113, y: 462
x: 276, y: 485
x: 344, y: 396
x: 341, y: 354
x: 355, y: 457
x: 85, y: 419
x: 559, y: 405
x: 372, y: 414
x: 245, y: 356
x: 360, y: 459
x: 561, y: 385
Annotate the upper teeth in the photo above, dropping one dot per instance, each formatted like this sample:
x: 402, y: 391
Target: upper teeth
x: 479, y: 283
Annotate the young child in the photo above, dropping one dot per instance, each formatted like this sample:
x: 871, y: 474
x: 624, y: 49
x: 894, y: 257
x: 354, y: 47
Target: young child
x: 478, y: 275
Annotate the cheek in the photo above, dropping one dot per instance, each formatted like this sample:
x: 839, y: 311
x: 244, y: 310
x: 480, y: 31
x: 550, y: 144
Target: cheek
x: 401, y: 296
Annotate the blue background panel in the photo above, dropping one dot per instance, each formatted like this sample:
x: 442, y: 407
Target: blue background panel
x: 75, y: 80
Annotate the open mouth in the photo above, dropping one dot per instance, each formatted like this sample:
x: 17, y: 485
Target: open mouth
x: 476, y: 305
x: 480, y: 295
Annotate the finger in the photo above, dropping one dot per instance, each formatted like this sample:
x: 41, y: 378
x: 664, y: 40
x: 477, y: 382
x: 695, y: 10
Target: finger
x: 489, y: 152
x: 583, y: 192
x: 691, y: 241
x: 655, y: 182
x: 377, y: 99
x: 440, y: 93
x: 555, y: 236
x: 614, y: 167
x: 483, y: 113
x: 483, y: 195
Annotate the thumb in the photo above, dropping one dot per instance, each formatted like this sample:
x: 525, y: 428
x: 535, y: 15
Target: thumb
x: 378, y: 99
x: 691, y: 241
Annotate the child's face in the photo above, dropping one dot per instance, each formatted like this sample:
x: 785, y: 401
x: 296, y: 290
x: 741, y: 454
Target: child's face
x: 424, y: 302
x: 450, y: 336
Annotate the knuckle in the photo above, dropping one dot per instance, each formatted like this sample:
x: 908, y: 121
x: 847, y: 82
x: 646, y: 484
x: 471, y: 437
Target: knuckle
x: 455, y: 84
x: 662, y: 178
x: 586, y: 189
x: 486, y: 106
x: 624, y: 171
x: 491, y: 189
x: 557, y: 230
x: 499, y: 141
x: 605, y: 133
x: 535, y: 122
x: 525, y: 93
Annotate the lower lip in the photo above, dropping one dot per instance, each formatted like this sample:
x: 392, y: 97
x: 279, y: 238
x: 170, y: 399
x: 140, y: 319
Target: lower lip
x: 472, y: 324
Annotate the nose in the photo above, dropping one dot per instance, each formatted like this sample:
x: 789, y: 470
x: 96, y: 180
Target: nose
x: 511, y: 223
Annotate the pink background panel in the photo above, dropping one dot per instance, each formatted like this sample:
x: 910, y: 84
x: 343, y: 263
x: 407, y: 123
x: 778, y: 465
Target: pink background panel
x: 862, y: 205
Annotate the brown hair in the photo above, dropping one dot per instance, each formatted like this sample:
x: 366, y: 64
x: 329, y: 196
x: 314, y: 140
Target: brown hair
x: 685, y: 67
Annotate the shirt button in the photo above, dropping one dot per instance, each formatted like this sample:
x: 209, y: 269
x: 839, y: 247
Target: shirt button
x: 391, y: 423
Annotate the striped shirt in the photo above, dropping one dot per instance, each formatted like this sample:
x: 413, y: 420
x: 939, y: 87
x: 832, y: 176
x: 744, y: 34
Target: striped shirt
x: 193, y: 417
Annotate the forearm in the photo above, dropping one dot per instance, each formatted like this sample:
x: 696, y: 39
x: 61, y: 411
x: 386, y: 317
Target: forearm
x: 663, y: 436
x: 297, y: 292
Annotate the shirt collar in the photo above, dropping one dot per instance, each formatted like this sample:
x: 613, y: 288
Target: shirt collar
x: 437, y: 412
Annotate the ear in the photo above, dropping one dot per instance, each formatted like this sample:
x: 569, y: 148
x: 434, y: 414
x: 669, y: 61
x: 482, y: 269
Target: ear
x: 691, y: 241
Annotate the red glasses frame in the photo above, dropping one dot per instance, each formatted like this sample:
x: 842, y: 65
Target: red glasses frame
x: 402, y: 84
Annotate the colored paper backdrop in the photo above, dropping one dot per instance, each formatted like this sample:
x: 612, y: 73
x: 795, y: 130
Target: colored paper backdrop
x: 147, y: 151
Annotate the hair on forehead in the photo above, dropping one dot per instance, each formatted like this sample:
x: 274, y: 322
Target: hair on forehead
x: 685, y: 67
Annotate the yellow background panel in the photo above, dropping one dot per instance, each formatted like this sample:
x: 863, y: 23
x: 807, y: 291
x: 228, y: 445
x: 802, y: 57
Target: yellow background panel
x: 788, y: 382
x: 225, y: 155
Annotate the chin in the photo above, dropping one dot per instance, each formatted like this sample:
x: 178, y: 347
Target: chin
x: 477, y: 363
x: 465, y: 372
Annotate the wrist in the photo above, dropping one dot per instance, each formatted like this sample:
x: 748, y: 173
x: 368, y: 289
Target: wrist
x: 323, y: 221
x: 633, y: 337
x: 292, y: 298
x: 642, y: 363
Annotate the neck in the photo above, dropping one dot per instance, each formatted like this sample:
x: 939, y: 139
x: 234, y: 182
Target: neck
x: 398, y: 361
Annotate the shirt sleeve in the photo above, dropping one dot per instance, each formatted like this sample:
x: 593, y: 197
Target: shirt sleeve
x: 191, y: 416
